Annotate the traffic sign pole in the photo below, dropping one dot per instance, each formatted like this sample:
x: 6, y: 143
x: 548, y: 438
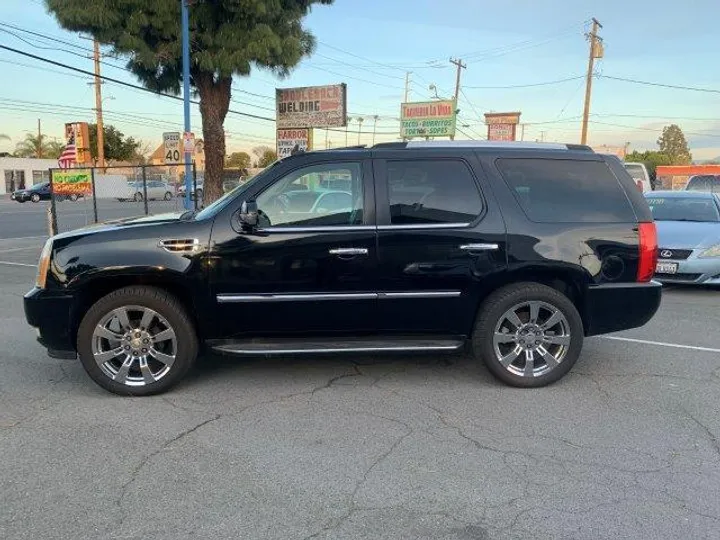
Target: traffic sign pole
x: 186, y: 97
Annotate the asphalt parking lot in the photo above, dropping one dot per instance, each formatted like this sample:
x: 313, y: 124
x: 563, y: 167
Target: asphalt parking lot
x: 373, y: 447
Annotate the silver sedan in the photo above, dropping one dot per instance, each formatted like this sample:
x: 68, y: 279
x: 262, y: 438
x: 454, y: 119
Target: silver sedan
x: 688, y: 226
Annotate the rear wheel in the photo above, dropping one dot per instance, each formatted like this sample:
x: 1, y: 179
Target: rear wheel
x: 168, y: 196
x: 138, y: 197
x: 137, y: 341
x: 528, y: 334
x: 35, y: 198
x: 73, y: 197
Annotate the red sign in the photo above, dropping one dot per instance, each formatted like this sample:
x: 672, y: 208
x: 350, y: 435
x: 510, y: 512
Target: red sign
x: 501, y: 132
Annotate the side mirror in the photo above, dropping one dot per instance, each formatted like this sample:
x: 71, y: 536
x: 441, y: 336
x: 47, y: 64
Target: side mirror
x: 248, y: 216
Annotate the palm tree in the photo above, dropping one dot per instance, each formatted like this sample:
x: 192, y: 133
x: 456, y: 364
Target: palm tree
x: 35, y: 146
x: 54, y: 149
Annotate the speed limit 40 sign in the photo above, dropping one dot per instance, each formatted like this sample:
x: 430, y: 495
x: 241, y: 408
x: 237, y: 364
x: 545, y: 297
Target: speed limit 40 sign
x: 171, y: 141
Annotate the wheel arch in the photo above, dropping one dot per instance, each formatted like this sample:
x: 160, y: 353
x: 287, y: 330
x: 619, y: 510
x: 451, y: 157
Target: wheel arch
x: 93, y: 289
x: 569, y: 281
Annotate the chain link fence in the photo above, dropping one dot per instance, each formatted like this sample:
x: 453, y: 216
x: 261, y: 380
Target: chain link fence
x: 97, y: 194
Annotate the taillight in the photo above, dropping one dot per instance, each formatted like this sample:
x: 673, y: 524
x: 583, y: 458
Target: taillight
x: 648, y: 252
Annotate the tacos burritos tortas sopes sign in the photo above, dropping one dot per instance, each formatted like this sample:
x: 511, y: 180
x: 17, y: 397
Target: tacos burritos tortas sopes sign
x: 311, y: 106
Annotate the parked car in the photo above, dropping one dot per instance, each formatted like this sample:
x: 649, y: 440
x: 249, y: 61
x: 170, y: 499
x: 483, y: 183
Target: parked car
x: 200, y: 189
x: 704, y: 182
x: 640, y: 175
x: 688, y: 224
x: 517, y: 250
x: 38, y: 192
x: 156, y: 190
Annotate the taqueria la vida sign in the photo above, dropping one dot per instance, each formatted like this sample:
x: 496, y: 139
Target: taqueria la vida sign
x: 311, y: 106
x: 428, y: 119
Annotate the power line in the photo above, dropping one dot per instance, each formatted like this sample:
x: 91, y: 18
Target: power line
x: 546, y: 83
x: 351, y: 77
x: 122, y: 83
x: 639, y: 128
x: 662, y: 85
x: 358, y: 67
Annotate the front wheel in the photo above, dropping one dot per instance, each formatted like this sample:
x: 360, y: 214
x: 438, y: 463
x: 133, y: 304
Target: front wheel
x: 528, y: 334
x: 168, y: 196
x: 73, y: 197
x: 137, y: 341
x: 138, y: 197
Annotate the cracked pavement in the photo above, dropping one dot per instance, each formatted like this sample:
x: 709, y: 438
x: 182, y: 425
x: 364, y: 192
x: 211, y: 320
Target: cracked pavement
x: 368, y: 447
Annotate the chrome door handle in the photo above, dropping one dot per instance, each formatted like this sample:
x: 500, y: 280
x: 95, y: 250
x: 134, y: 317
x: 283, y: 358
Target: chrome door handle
x: 348, y: 252
x: 479, y: 247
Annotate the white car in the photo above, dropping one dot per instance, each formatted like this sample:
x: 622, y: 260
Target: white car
x: 156, y: 190
x: 639, y: 173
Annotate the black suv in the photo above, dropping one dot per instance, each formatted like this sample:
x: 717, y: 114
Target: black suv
x: 518, y: 249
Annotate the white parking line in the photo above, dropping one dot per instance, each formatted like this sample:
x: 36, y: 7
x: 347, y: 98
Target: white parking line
x: 18, y: 264
x: 662, y: 344
x: 19, y: 249
x: 22, y: 238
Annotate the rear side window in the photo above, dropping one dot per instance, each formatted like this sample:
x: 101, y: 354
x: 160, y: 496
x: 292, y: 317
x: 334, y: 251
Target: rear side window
x: 704, y: 183
x: 566, y: 191
x: 429, y: 192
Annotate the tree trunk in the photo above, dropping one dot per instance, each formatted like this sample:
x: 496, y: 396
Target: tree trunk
x: 214, y: 104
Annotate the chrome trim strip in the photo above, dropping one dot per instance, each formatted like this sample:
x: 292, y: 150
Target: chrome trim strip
x: 419, y: 294
x: 335, y: 228
x: 341, y: 350
x: 480, y: 247
x: 179, y: 245
x: 423, y: 226
x: 348, y: 251
x: 305, y: 297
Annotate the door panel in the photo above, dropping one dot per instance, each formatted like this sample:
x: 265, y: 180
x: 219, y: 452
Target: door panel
x: 433, y: 267
x: 303, y: 272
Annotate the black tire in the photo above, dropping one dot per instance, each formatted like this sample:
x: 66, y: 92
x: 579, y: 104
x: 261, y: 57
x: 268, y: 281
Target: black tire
x: 168, y: 196
x: 73, y: 197
x: 138, y: 197
x: 492, y: 313
x: 35, y: 198
x: 164, y: 304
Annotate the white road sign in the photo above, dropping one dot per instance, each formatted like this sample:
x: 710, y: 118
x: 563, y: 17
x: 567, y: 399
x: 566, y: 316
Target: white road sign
x: 172, y: 147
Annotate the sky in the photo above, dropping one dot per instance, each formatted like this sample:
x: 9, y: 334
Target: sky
x: 372, y: 44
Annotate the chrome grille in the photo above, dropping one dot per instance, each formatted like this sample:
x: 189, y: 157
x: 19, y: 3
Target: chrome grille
x: 180, y: 245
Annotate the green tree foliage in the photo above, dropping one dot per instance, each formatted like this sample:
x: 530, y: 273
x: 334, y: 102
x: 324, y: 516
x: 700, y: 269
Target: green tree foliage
x: 239, y: 160
x: 117, y: 146
x: 38, y: 146
x: 228, y: 37
x: 652, y: 160
x: 4, y: 137
x: 673, y: 144
x: 265, y: 156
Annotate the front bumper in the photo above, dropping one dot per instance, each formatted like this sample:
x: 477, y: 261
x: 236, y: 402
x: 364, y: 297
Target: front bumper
x: 50, y: 313
x: 693, y: 270
x: 620, y: 306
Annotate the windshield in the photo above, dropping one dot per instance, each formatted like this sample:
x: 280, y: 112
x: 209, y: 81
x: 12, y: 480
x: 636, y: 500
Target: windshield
x: 683, y: 209
x: 38, y: 186
x: 704, y: 183
x: 636, y: 171
x: 222, y: 202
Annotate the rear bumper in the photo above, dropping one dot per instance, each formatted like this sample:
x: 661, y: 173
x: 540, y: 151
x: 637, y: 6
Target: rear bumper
x: 50, y: 313
x: 615, y: 307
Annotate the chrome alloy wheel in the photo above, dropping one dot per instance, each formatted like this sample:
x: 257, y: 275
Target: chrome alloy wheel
x: 531, y: 338
x: 134, y: 346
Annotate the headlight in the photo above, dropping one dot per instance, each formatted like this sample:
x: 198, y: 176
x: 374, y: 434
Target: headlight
x: 711, y: 252
x: 43, y: 265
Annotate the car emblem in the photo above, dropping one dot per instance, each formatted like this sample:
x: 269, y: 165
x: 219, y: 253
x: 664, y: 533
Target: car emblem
x: 666, y: 253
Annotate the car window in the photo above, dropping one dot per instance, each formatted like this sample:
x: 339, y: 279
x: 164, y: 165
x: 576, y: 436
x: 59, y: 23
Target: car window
x: 300, y: 199
x: 683, y: 209
x: 636, y: 171
x: 704, y: 183
x: 566, y: 191
x: 428, y: 192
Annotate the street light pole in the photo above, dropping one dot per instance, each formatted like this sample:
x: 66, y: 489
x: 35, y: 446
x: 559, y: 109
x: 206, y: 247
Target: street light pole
x: 186, y: 96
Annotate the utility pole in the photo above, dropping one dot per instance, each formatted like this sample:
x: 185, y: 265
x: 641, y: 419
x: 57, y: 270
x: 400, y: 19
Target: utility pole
x: 349, y: 119
x: 360, y: 121
x: 39, y: 139
x: 596, y: 51
x: 522, y: 132
x: 98, y: 106
x: 375, y: 119
x: 460, y: 66
x: 407, y: 85
x: 185, y: 24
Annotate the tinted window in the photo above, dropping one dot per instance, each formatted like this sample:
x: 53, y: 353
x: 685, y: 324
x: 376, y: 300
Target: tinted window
x: 427, y: 192
x: 566, y: 191
x: 683, y: 209
x: 301, y: 199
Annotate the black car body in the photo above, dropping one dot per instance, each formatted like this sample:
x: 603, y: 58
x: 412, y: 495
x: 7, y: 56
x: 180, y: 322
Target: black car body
x: 35, y: 193
x: 519, y: 249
